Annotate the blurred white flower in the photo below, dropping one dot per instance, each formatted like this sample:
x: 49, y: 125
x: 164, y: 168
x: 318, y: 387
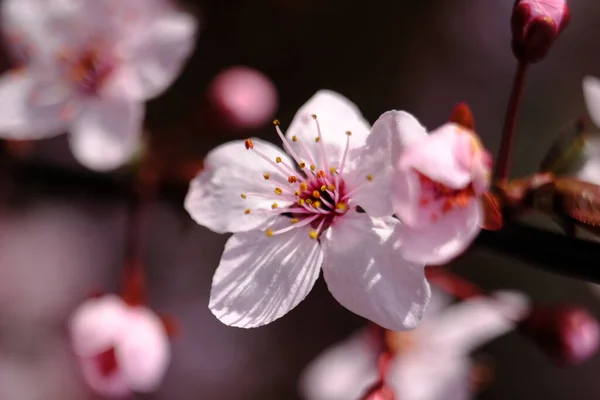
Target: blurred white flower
x: 289, y: 221
x: 122, y: 349
x: 89, y: 67
x: 430, y: 363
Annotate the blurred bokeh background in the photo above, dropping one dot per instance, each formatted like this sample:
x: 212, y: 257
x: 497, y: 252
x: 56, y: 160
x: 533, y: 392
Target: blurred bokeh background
x: 61, y: 239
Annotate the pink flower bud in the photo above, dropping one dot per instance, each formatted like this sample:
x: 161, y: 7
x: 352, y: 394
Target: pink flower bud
x: 568, y: 334
x: 535, y: 25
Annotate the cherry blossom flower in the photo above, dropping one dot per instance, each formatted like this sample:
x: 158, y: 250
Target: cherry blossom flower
x: 326, y: 203
x: 430, y: 363
x: 89, y: 66
x: 439, y: 178
x: 122, y: 349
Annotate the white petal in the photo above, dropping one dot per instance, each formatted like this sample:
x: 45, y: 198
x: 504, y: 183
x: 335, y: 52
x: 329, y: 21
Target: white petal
x: 391, y: 133
x: 439, y: 242
x: 214, y: 197
x: 430, y: 375
x: 96, y: 324
x: 260, y: 278
x: 107, y: 133
x: 30, y: 107
x: 471, y: 324
x: 336, y: 115
x: 143, y: 352
x: 591, y: 93
x: 344, y: 371
x: 365, y: 272
x: 156, y: 59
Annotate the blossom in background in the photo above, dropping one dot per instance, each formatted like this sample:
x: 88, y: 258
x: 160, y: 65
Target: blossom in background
x: 326, y: 203
x: 89, y: 67
x: 121, y: 348
x: 430, y: 363
x: 437, y: 187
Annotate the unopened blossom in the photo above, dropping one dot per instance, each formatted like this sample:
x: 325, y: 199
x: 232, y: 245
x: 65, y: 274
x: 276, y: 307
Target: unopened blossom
x: 326, y: 202
x: 122, y: 349
x: 431, y: 362
x: 437, y: 187
x: 89, y: 66
x: 536, y: 24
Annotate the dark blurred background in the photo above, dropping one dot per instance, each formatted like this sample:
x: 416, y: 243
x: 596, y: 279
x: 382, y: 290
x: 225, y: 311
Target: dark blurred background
x: 61, y: 239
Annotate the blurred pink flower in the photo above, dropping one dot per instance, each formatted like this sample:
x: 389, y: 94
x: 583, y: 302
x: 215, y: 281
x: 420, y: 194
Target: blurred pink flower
x: 122, y: 349
x: 433, y: 363
x: 439, y: 178
x: 90, y: 65
x: 287, y: 221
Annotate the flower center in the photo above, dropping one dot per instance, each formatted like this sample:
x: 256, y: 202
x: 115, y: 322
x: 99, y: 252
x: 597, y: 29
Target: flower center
x: 317, y: 190
x: 107, y: 362
x: 88, y: 69
x: 441, y: 199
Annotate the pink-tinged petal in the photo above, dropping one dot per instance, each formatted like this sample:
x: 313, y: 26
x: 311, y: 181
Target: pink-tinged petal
x: 471, y: 324
x: 336, y: 115
x: 153, y: 62
x: 441, y: 241
x: 107, y: 133
x: 31, y: 107
x: 366, y: 273
x: 406, y: 194
x: 261, y: 278
x: 214, y: 198
x: 344, y: 371
x: 96, y: 324
x: 436, y: 157
x: 426, y: 374
x: 591, y: 93
x: 113, y: 385
x: 393, y: 132
x: 143, y: 352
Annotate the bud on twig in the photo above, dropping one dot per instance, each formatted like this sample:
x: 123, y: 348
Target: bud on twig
x: 535, y: 26
x: 567, y: 334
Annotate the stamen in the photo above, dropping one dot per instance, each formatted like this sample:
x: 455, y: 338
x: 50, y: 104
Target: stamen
x: 267, y: 176
x: 286, y: 144
x: 269, y: 232
x: 278, y: 191
x: 313, y: 235
x: 313, y: 167
x: 294, y: 139
x: 332, y: 170
x: 303, y: 187
x: 274, y: 206
x: 317, y: 204
x: 316, y: 194
x: 278, y: 160
x: 243, y: 196
x: 319, y: 139
x: 302, y: 165
x: 323, y: 188
x: 295, y: 225
x: 292, y: 179
x: 294, y: 221
x: 247, y: 211
x: 346, y: 151
x: 321, y: 174
x: 370, y: 178
x: 248, y: 143
x: 297, y: 193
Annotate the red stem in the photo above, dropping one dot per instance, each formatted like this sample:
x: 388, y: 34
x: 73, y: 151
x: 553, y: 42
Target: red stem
x: 508, y: 133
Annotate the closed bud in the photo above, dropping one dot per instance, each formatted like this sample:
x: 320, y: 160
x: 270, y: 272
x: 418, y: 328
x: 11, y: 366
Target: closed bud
x: 535, y: 26
x: 567, y: 334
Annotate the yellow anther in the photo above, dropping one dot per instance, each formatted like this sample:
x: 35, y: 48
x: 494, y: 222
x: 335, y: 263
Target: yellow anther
x: 370, y: 178
x: 278, y: 160
x: 267, y: 176
x: 303, y: 187
x: 294, y: 221
x: 247, y: 211
x: 269, y: 232
x: 300, y: 202
x: 331, y: 187
x: 313, y: 167
x: 314, y: 116
x: 323, y: 188
x: 292, y: 179
x: 321, y: 174
x: 248, y: 143
x: 243, y: 196
x: 317, y: 139
x: 332, y: 170
x: 276, y: 122
x: 274, y: 206
x: 309, y: 201
x: 297, y: 193
x: 317, y: 204
x: 348, y: 133
x: 278, y: 191
x: 313, y: 235
x: 316, y: 194
x: 340, y: 206
x: 294, y: 139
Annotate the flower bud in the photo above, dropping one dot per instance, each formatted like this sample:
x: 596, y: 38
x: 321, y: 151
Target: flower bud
x: 535, y: 26
x: 379, y: 391
x: 567, y: 334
